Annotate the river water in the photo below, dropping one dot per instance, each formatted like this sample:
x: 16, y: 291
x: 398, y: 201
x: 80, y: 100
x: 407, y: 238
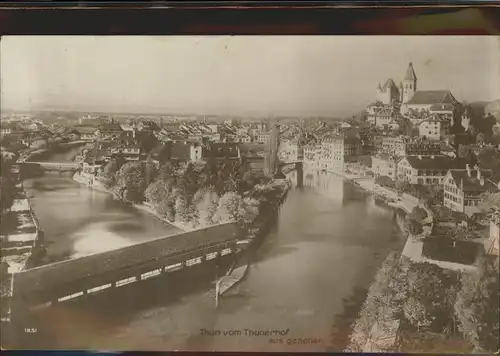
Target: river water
x: 309, y: 282
x: 78, y: 221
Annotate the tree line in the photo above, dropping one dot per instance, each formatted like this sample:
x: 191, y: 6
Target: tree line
x: 197, y: 194
x: 434, y: 306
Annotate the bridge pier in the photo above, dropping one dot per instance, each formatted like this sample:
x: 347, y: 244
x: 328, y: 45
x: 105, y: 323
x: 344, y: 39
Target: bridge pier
x: 300, y: 174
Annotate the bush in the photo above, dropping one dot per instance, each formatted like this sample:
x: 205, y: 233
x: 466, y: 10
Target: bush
x: 418, y: 214
x: 477, y: 306
x: 413, y: 227
x: 385, y: 181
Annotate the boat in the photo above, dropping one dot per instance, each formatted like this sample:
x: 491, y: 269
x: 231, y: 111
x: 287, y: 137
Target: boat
x: 230, y: 281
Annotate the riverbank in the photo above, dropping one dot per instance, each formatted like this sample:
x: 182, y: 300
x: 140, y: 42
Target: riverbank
x: 90, y: 182
x: 21, y: 239
x: 391, y: 197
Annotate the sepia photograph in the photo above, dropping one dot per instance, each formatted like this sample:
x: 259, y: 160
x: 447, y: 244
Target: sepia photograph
x: 250, y: 193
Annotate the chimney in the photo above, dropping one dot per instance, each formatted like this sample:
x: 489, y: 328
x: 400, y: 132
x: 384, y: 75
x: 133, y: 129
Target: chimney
x: 467, y: 167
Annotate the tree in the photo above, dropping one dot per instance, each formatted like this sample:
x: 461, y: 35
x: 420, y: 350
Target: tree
x: 403, y: 186
x: 110, y: 171
x: 477, y: 306
x: 232, y: 207
x: 433, y: 287
x: 489, y: 158
x: 160, y: 197
x: 416, y: 313
x: 130, y: 181
x: 384, y: 181
x: 495, y: 139
x: 413, y: 227
x: 480, y: 138
x: 418, y: 214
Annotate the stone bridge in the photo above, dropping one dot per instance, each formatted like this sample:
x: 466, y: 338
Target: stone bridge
x: 44, y: 286
x: 53, y: 166
x: 298, y: 166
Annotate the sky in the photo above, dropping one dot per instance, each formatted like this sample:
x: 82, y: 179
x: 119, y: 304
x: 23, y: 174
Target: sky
x: 237, y: 75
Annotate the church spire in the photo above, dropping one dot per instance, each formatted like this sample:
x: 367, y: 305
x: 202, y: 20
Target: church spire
x: 410, y: 73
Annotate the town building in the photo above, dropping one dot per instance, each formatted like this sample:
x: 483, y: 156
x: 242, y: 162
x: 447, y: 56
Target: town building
x: 443, y: 110
x: 290, y: 150
x: 264, y: 137
x: 434, y: 128
x: 109, y: 130
x: 384, y: 165
x: 464, y: 188
x: 336, y: 151
x: 87, y: 133
x: 394, y: 145
x: 10, y: 129
x: 405, y: 146
x: 222, y: 150
x: 389, y: 93
x: 408, y: 86
x: 425, y: 169
x: 430, y: 99
x: 311, y: 156
x: 381, y: 116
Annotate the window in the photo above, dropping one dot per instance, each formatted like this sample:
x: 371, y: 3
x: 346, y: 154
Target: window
x: 174, y: 267
x: 126, y: 281
x: 211, y: 256
x: 72, y: 296
x: 97, y: 289
x: 193, y: 261
x: 150, y: 274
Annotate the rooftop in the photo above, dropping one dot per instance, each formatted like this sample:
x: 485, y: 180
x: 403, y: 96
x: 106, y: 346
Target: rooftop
x: 410, y: 73
x: 433, y: 162
x: 472, y: 184
x: 427, y: 97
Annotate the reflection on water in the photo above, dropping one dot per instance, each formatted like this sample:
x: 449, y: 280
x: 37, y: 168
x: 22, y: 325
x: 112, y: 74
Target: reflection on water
x: 78, y: 221
x: 310, y: 277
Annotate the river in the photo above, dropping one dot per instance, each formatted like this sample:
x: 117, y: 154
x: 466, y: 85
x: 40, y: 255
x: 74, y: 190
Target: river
x: 309, y: 280
x: 78, y: 221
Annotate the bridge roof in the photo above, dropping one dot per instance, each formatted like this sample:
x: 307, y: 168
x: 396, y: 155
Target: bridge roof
x: 52, y: 275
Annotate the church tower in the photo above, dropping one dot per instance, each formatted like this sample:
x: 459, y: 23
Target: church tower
x: 409, y: 84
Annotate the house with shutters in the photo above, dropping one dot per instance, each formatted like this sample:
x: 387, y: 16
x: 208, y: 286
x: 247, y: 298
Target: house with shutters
x: 384, y: 165
x: 426, y: 169
x: 464, y: 189
x: 434, y: 128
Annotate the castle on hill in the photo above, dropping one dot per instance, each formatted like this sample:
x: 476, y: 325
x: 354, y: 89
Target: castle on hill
x: 409, y: 98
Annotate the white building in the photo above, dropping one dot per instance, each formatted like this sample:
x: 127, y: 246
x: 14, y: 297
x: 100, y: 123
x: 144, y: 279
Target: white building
x: 434, y: 128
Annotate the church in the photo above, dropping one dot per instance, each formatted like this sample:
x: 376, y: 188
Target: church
x: 412, y: 100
